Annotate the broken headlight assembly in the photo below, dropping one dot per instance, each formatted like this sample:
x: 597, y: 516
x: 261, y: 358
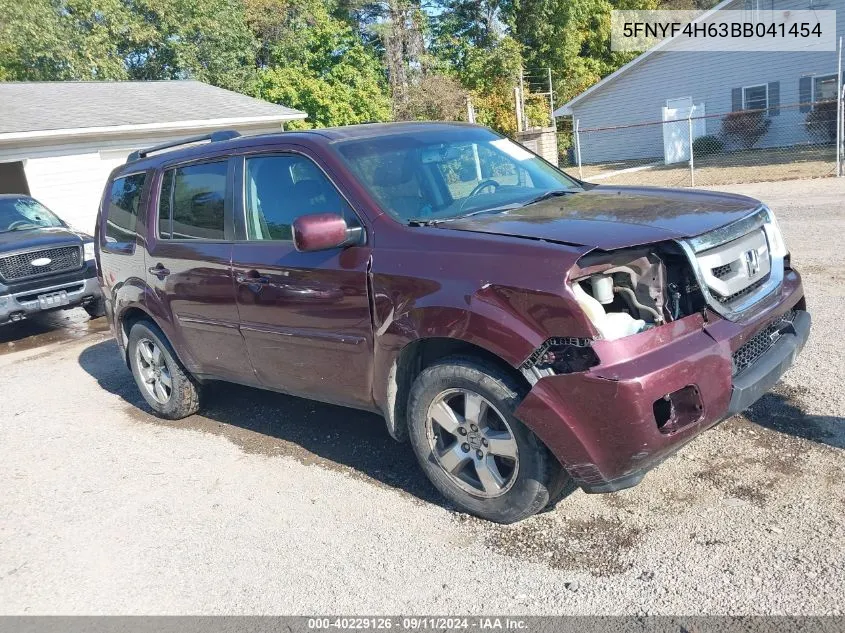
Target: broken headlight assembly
x: 629, y: 291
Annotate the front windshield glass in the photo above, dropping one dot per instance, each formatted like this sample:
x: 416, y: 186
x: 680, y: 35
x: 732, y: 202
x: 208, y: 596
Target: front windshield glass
x: 443, y: 174
x: 25, y: 214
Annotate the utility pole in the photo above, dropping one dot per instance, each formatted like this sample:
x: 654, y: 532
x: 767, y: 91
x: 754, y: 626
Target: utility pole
x: 551, y: 100
x: 524, y: 122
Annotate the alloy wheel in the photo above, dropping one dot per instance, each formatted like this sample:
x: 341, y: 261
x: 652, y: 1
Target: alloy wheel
x: 472, y: 442
x: 153, y: 370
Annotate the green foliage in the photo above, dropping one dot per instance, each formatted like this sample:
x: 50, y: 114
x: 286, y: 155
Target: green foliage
x: 571, y: 37
x: 745, y: 127
x: 341, y: 61
x: 821, y: 121
x: 317, y: 63
x: 705, y: 145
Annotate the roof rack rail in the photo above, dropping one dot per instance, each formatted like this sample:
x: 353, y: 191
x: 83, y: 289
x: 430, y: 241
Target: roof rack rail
x: 214, y: 137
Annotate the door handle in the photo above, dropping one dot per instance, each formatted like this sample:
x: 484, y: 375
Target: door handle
x: 252, y: 277
x: 159, y: 271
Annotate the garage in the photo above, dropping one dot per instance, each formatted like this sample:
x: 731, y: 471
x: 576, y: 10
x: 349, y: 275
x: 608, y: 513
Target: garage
x: 60, y: 140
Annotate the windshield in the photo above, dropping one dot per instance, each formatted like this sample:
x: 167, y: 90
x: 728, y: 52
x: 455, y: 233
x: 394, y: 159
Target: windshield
x: 442, y: 174
x: 25, y: 214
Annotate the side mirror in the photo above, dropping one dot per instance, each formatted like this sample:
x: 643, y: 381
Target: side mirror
x: 322, y: 231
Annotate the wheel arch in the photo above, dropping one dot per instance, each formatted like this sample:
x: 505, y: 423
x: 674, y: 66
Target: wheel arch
x: 420, y: 353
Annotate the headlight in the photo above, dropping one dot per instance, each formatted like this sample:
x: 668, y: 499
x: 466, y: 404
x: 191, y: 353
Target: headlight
x: 777, y: 245
x: 88, y: 251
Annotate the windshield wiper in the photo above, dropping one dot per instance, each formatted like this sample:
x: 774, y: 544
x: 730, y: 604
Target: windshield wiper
x: 554, y: 193
x: 435, y: 221
x: 508, y: 207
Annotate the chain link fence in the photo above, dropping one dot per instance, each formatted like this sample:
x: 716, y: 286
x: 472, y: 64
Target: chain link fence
x: 792, y: 141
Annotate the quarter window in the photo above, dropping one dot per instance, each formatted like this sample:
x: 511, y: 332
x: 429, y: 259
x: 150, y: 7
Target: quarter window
x: 279, y: 189
x: 192, y: 202
x: 755, y: 97
x: 122, y: 215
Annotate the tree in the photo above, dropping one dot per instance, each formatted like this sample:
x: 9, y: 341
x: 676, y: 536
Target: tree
x: 43, y: 40
x: 313, y: 61
x: 207, y: 40
x: 572, y: 38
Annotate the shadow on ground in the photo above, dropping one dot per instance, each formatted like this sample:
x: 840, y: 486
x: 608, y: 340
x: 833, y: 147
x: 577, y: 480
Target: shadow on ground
x: 263, y: 422
x: 782, y: 411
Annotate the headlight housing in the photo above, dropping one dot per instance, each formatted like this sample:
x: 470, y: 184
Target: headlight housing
x: 88, y: 251
x: 777, y: 245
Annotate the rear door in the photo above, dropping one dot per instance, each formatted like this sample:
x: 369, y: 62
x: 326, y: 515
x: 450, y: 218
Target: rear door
x: 189, y: 252
x: 305, y: 317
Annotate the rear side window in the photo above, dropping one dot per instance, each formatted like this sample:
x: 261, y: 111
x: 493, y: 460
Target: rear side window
x: 192, y: 202
x: 122, y: 213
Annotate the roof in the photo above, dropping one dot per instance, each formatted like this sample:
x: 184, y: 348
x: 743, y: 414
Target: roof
x: 62, y: 108
x: 191, y: 149
x: 368, y: 130
x: 566, y: 108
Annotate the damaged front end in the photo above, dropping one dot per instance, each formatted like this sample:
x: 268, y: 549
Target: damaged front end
x: 677, y: 346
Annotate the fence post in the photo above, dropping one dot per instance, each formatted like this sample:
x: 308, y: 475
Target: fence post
x: 691, y: 160
x: 578, y: 149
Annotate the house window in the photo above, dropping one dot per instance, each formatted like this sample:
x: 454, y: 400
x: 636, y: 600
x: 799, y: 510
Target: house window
x: 755, y: 97
x: 824, y: 88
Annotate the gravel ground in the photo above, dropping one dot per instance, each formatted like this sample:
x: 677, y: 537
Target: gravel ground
x: 272, y: 504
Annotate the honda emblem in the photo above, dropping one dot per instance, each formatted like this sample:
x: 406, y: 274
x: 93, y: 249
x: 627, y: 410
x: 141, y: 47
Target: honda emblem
x: 752, y: 262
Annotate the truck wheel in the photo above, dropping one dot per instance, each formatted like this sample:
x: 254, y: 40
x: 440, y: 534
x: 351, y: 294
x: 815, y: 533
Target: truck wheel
x: 165, y: 384
x: 96, y: 308
x: 470, y: 445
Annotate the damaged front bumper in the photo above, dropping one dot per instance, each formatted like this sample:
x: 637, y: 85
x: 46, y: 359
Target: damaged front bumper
x: 655, y: 391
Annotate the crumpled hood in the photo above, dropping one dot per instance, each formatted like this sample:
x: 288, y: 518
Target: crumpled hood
x: 41, y: 238
x: 609, y: 217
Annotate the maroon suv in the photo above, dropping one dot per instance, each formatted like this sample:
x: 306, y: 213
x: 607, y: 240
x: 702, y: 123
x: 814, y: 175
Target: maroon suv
x: 525, y: 330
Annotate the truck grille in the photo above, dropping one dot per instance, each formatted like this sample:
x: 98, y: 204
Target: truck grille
x: 19, y: 266
x: 759, y: 344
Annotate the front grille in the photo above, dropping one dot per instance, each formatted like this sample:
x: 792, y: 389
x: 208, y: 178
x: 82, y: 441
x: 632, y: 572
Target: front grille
x: 19, y: 266
x: 759, y: 344
x: 742, y: 293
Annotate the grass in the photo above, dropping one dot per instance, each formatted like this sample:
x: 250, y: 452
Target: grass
x: 745, y: 166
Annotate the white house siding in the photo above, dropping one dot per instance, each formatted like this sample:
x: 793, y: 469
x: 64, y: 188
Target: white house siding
x: 69, y: 178
x: 638, y: 95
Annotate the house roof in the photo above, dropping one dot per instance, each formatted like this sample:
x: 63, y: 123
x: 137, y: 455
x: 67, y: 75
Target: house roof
x: 53, y: 108
x: 566, y: 108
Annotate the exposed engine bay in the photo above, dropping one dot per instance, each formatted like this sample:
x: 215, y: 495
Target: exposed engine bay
x: 629, y: 291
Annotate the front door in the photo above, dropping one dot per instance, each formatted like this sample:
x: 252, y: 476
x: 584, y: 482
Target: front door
x: 189, y: 251
x: 305, y: 317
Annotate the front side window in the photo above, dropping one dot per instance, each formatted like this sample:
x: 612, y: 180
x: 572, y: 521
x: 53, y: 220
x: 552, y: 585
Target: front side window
x: 440, y: 174
x: 755, y: 97
x: 192, y: 202
x: 21, y: 213
x: 122, y: 213
x: 280, y: 189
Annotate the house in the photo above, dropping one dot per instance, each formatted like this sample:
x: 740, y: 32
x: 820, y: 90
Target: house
x: 60, y: 140
x: 787, y: 85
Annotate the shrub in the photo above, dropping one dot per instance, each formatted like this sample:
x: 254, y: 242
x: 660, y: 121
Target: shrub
x: 704, y: 145
x: 745, y: 127
x: 821, y: 121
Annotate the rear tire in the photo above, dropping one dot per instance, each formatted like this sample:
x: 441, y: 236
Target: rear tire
x: 472, y: 448
x: 166, y: 386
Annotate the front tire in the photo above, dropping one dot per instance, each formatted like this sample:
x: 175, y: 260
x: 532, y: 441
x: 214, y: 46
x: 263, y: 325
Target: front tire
x: 96, y: 308
x: 472, y: 448
x: 164, y: 383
